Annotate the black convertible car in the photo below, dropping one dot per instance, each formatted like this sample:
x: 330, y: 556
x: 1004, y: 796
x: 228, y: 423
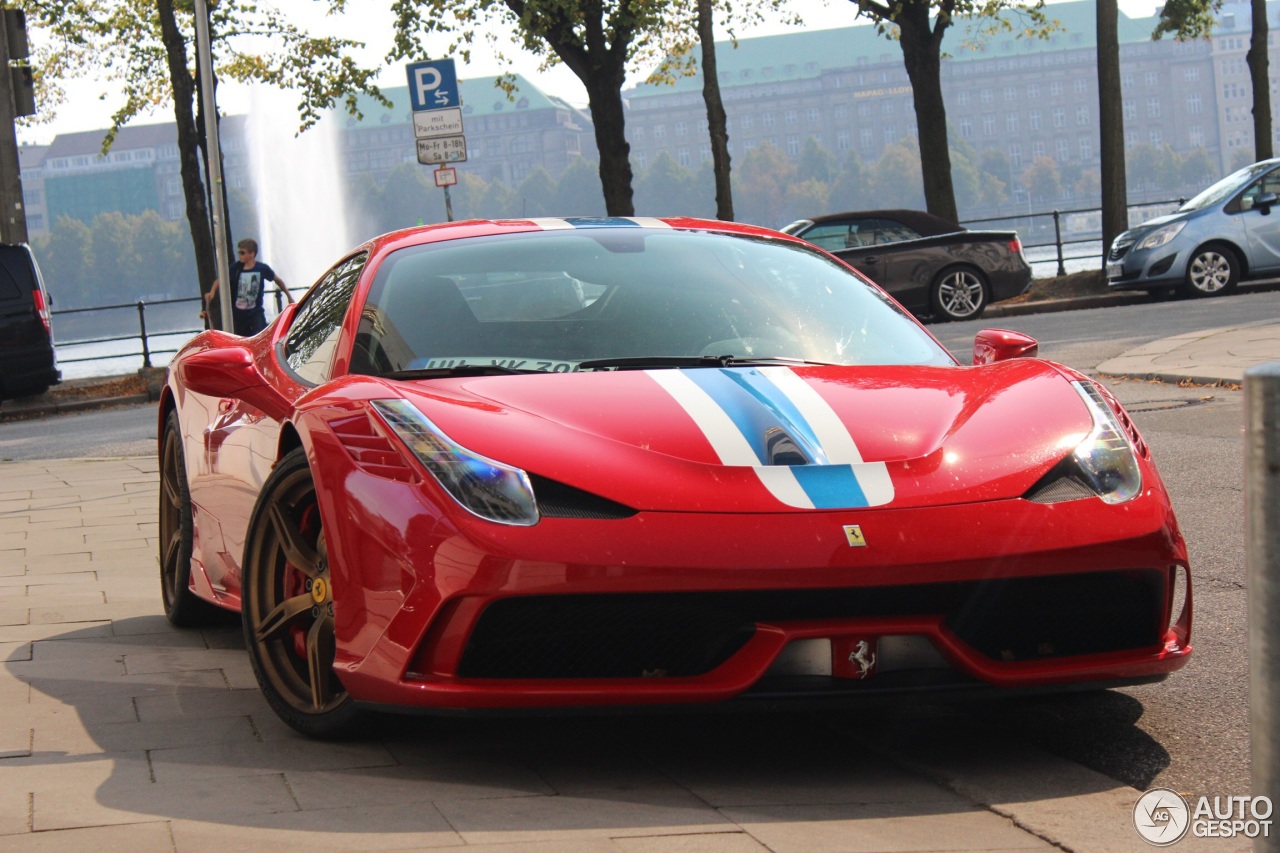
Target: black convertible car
x: 935, y: 268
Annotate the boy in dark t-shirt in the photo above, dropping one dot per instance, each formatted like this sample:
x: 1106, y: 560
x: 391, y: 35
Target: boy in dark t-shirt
x: 247, y: 277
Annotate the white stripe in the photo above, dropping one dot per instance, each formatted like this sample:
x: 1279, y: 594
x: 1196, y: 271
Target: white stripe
x: 549, y: 224
x: 876, y: 484
x: 833, y: 436
x: 726, y: 439
x: 647, y: 222
x: 783, y: 485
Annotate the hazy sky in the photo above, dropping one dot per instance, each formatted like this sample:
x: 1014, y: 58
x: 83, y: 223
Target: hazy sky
x: 88, y: 109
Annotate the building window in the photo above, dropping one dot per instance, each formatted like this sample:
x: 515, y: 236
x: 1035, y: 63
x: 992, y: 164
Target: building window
x: 1055, y: 89
x: 791, y: 117
x: 988, y: 125
x: 1193, y: 103
x: 864, y: 137
x: 1191, y: 74
x: 682, y: 156
x: 1064, y: 150
x: 1151, y: 78
x: 1130, y: 111
x: 1086, y: 149
x: 963, y: 98
x: 1156, y: 137
x: 1010, y: 93
x: 1059, y: 117
x: 1034, y: 119
x: 748, y: 121
x: 966, y: 128
x: 768, y: 120
x: 1033, y: 91
x: 844, y: 141
x: 1037, y: 150
x: 1015, y: 155
x: 1153, y: 108
x: 1195, y: 135
x: 987, y: 96
x: 890, y: 135
x: 1082, y: 115
x: 815, y: 116
x: 1011, y: 123
x: 793, y: 146
x: 682, y: 129
x: 1081, y: 86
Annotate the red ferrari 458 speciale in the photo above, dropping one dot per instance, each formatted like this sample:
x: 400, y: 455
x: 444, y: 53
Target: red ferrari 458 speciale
x: 585, y: 462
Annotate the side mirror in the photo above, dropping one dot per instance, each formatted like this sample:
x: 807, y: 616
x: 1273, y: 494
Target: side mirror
x: 992, y: 345
x: 229, y: 372
x: 1265, y: 201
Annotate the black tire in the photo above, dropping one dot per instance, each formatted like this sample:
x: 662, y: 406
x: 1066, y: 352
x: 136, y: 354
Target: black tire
x: 287, y: 603
x: 182, y: 606
x: 1213, y: 270
x: 959, y: 293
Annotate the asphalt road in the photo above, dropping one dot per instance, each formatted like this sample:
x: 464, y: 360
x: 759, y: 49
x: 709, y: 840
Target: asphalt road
x: 1189, y: 733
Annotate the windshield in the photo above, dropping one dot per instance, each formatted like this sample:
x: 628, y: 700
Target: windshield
x: 1227, y: 187
x: 550, y: 300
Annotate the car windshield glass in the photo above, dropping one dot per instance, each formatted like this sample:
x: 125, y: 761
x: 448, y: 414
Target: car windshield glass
x: 550, y: 300
x: 1227, y: 187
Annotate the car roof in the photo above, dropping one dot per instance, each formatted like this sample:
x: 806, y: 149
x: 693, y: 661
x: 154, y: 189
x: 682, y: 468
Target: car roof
x: 926, y: 224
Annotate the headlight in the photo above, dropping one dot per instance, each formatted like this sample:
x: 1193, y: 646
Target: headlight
x: 1161, y: 235
x: 1105, y: 458
x: 489, y: 489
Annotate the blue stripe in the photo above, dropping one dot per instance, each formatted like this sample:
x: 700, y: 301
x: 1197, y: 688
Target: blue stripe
x: 751, y: 419
x: 830, y: 486
x: 600, y: 222
x: 771, y: 397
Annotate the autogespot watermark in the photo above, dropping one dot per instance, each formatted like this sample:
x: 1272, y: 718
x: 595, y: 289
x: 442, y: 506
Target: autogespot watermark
x: 1163, y: 817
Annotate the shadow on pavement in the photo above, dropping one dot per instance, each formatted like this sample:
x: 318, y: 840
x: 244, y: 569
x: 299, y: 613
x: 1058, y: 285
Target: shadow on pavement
x: 134, y: 718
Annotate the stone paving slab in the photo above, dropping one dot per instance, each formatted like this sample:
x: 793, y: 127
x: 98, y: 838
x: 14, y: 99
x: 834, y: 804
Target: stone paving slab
x: 120, y: 732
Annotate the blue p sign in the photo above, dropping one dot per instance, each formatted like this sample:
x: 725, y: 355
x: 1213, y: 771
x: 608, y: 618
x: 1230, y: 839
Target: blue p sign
x: 433, y: 85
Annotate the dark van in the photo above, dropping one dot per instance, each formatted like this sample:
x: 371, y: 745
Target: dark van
x: 28, y: 364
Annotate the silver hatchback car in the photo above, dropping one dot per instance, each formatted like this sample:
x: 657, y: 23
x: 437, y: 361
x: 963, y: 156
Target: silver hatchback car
x: 1228, y: 233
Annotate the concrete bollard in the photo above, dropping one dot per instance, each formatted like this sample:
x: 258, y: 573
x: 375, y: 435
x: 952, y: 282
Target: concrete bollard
x: 1262, y: 541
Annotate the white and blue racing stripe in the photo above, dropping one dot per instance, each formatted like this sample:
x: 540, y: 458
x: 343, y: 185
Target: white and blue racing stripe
x: 736, y: 407
x: 569, y: 223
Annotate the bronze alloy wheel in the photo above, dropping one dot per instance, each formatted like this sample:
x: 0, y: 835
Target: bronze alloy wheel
x: 959, y: 294
x: 288, y: 605
x: 182, y: 607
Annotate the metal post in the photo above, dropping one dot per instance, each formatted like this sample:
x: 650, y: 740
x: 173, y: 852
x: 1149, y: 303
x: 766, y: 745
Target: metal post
x: 204, y: 56
x: 142, y: 324
x: 448, y: 204
x: 1057, y: 238
x: 1262, y: 538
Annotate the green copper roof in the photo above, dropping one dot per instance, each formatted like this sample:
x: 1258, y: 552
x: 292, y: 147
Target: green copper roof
x: 479, y: 96
x: 806, y: 54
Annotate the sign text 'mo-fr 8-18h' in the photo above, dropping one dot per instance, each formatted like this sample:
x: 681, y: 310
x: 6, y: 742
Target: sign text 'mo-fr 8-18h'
x: 437, y: 112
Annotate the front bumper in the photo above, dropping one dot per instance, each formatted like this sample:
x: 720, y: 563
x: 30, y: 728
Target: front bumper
x: 1147, y: 269
x: 440, y: 611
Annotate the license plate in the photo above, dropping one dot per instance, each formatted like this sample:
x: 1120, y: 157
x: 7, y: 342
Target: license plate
x: 1115, y: 270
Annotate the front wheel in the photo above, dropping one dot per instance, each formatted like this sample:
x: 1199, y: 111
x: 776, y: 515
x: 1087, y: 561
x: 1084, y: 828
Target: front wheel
x: 288, y: 605
x: 1212, y: 271
x: 181, y: 606
x: 959, y: 293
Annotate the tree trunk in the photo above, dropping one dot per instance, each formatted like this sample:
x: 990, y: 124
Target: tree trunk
x: 188, y: 151
x: 922, y: 55
x: 1260, y: 78
x: 604, y: 95
x: 717, y: 122
x: 1115, y: 195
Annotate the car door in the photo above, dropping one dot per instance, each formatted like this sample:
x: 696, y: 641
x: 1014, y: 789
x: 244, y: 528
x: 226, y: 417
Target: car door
x: 872, y: 250
x: 1262, y: 224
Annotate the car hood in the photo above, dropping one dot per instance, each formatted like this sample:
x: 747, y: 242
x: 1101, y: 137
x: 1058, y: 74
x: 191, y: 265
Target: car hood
x: 769, y: 439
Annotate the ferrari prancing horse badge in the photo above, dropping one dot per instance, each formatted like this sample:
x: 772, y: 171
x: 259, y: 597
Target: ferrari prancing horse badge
x: 853, y: 533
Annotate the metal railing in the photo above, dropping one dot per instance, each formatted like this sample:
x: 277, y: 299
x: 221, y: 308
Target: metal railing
x: 143, y: 337
x: 1060, y: 245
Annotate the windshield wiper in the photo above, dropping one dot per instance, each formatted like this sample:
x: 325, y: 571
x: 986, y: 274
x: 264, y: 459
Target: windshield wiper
x: 644, y: 362
x: 455, y: 370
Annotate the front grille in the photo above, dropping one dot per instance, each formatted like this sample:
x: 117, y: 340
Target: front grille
x: 1118, y: 251
x: 689, y: 634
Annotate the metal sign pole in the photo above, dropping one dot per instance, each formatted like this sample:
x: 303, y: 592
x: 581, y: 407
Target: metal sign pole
x: 1262, y: 540
x: 204, y: 56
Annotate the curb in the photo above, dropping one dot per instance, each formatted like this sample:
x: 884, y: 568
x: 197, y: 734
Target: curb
x: 44, y: 408
x: 1079, y: 303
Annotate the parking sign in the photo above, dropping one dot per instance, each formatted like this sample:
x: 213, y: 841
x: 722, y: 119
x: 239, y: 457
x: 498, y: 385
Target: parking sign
x: 433, y: 85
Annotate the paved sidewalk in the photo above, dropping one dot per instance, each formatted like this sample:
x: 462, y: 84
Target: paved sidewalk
x: 1210, y: 356
x: 121, y: 733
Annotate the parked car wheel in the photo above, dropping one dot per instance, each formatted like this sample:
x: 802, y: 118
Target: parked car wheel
x: 182, y: 607
x: 959, y: 293
x: 288, y: 605
x: 1213, y: 270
